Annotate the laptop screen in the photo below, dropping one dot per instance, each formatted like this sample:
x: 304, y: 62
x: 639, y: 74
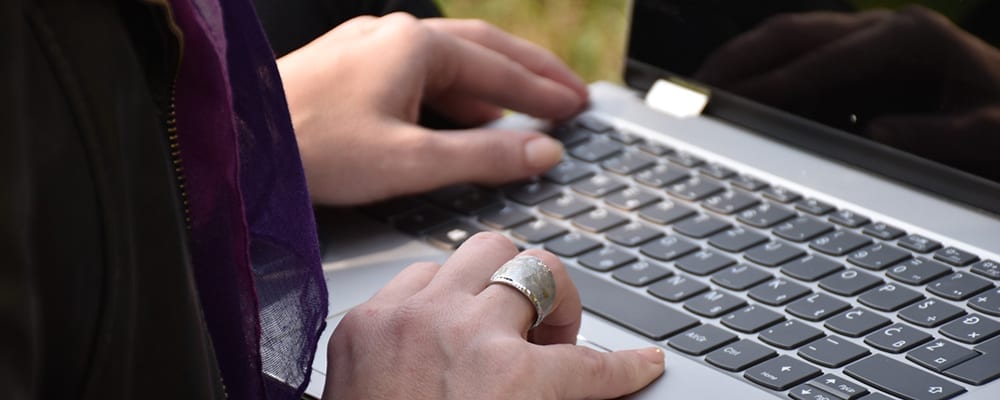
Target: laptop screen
x: 921, y: 79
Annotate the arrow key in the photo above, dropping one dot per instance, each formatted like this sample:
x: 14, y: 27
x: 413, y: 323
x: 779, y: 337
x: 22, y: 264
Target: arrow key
x: 806, y: 392
x: 781, y: 373
x: 840, y: 387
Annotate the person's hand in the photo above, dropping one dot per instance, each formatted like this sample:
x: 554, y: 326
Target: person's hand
x: 443, y: 332
x: 355, y: 95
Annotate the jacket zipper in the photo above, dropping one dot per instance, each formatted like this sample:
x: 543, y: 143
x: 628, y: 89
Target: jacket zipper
x: 173, y: 140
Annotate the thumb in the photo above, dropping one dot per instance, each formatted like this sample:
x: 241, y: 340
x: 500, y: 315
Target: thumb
x: 583, y: 373
x: 489, y: 156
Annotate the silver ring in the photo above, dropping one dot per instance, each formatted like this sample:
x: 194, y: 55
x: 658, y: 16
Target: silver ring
x: 532, y: 278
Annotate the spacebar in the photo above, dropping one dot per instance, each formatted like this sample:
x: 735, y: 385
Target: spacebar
x: 635, y: 311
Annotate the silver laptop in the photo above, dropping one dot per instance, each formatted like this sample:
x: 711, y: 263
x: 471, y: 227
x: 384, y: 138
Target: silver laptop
x: 813, y: 213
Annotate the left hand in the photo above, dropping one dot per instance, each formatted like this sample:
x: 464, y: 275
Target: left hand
x: 355, y: 95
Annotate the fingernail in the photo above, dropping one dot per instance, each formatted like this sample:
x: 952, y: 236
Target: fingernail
x: 542, y: 152
x: 652, y: 354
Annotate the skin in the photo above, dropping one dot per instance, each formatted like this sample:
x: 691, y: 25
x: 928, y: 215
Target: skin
x: 441, y: 332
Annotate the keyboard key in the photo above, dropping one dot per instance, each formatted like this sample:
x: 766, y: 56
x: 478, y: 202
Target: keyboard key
x: 889, y: 297
x: 729, y: 202
x: 538, y: 231
x: 389, y: 209
x: 505, y: 218
x: 598, y: 185
x: 677, y: 288
x: 989, y: 346
x: 422, y: 219
x: 571, y: 134
x: 695, y: 189
x: 596, y: 149
x: 939, y: 355
x: 987, y: 268
x: 987, y: 302
x: 897, y: 338
x: 685, y: 159
x: 606, y: 258
x: 568, y: 171
x: 633, y: 234
x: 655, y: 149
x: 714, y: 303
x: 848, y: 218
x: 641, y: 273
x: 810, y: 268
x: 451, y: 235
x: 740, y: 355
x: 802, y: 228
x: 740, y: 277
x: 971, y: 329
x: 919, y: 243
x: 878, y: 257
x: 781, y: 195
x: 765, y: 215
x: 816, y: 307
x: 465, y: 199
x: 856, y: 322
x: 571, y: 245
x: 599, y: 220
x: 592, y: 124
x: 773, y: 254
x: 736, y: 239
x: 703, y: 262
x: 841, y: 388
x: 751, y: 319
x: 716, y: 171
x: 849, y: 282
x: 832, y: 351
x: 781, y: 373
x: 628, y: 163
x: 623, y: 137
x: 565, y: 206
x: 532, y: 193
x: 701, y: 339
x: 747, y: 182
x: 701, y: 226
x: 777, y: 292
x: 958, y: 286
x: 632, y: 310
x: 665, y: 212
x: 631, y: 199
x: 956, y: 257
x: 838, y: 243
x: 883, y: 231
x: 977, y: 371
x: 814, y: 207
x: 668, y: 248
x: 918, y: 271
x: 902, y: 380
x: 930, y: 313
x: 662, y: 175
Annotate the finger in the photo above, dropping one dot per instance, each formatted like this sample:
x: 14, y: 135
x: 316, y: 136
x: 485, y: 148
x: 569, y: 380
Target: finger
x: 408, y: 282
x: 470, y: 267
x: 584, y: 373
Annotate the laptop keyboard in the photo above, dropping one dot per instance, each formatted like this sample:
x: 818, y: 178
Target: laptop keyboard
x: 789, y: 292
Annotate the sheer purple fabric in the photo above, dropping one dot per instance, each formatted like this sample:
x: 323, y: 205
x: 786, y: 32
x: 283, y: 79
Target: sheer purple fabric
x: 253, y: 237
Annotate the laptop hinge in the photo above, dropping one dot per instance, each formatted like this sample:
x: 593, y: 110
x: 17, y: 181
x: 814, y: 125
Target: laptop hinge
x: 677, y: 98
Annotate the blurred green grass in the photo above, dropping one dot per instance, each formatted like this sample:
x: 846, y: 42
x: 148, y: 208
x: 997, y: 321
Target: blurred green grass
x: 589, y: 35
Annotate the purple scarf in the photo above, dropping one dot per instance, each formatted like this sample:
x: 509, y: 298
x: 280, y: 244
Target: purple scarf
x: 253, y: 236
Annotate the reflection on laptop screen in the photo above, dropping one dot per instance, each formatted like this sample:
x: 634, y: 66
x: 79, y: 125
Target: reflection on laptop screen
x: 923, y: 79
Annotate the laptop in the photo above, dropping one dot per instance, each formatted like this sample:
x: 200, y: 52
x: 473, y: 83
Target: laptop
x: 791, y: 203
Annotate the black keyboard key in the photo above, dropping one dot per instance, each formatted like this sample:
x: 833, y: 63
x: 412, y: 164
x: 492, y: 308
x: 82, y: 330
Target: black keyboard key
x: 977, y: 371
x: 655, y: 149
x: 736, y: 239
x: 568, y: 171
x: 599, y: 220
x: 840, y: 387
x: 571, y: 134
x: 624, y: 137
x: 505, y: 218
x: 889, y: 297
x: 849, y: 282
x: 878, y: 257
x: 665, y: 212
x: 839, y: 242
x: 730, y: 202
x: 593, y: 124
x: 781, y: 195
x: 777, y: 292
x: 816, y: 307
x: 810, y: 268
x: 701, y: 226
x: 538, y: 231
x: 422, y: 219
x: 987, y: 302
x: 466, y: 199
x: 956, y: 257
x: 765, y: 215
x: 896, y: 338
x: 848, y: 218
x: 716, y: 171
x: 606, y: 258
x: 939, y: 355
x: 451, y: 235
x: 832, y: 351
x: 641, y: 273
x: 631, y: 199
x: 386, y: 210
x: 703, y: 262
x: 668, y: 248
x: 740, y: 355
x: 628, y: 163
x: 876, y: 396
x: 740, y: 277
x: 901, y: 379
x: 565, y: 206
x: 773, y: 254
x: 989, y: 346
x: 814, y: 207
x: 883, y: 231
x: 701, y: 339
x: 747, y: 182
x: 571, y: 245
x: 596, y: 149
x: 662, y: 175
x: 695, y: 189
x: 632, y: 310
x: 919, y: 243
x: 751, y: 319
x: 987, y: 268
x: 685, y: 159
x: 599, y: 185
x: 802, y: 228
x: 958, y: 286
x: 677, y: 288
x: 633, y: 234
x: 856, y: 322
x: 781, y: 373
x: 713, y: 303
x: 930, y: 313
x: 918, y: 271
x: 971, y: 329
x: 532, y: 193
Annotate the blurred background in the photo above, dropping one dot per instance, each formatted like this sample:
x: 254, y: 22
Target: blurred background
x: 589, y: 35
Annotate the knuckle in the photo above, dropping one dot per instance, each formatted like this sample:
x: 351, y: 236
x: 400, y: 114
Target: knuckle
x: 596, y: 366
